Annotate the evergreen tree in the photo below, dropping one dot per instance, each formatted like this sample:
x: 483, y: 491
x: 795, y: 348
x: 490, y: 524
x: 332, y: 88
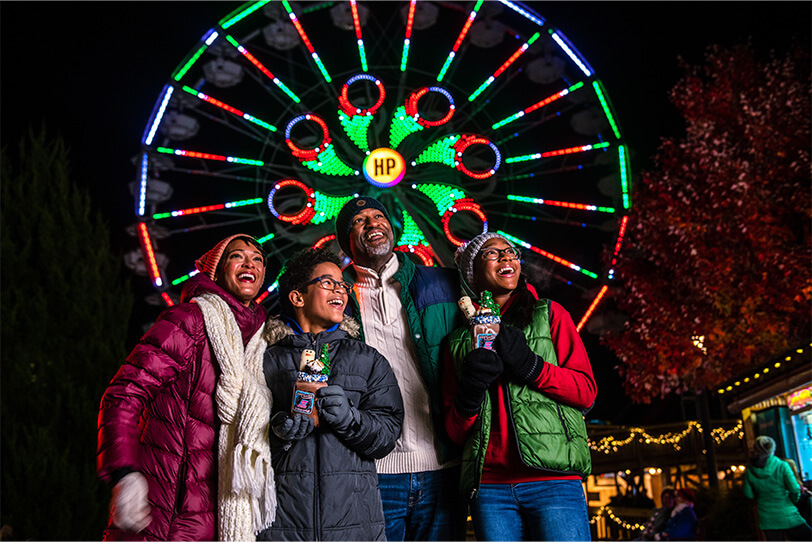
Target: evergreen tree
x: 65, y: 311
x: 715, y: 273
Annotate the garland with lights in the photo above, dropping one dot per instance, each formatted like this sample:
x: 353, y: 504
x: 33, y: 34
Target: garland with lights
x: 610, y: 444
x: 605, y: 510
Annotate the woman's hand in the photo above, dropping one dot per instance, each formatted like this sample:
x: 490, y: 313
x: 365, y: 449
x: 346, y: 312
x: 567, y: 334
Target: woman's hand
x: 129, y: 506
x: 519, y: 360
x: 479, y: 369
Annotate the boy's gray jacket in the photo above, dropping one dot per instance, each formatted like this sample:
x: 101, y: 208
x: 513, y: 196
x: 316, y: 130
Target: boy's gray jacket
x: 327, y: 486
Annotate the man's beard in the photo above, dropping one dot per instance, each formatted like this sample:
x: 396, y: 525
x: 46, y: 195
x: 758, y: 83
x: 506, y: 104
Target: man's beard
x: 380, y: 249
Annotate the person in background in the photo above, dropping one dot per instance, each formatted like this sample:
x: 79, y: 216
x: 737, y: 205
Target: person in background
x: 771, y: 483
x: 159, y: 424
x: 326, y: 476
x: 660, y: 516
x: 406, y: 311
x: 681, y: 524
x: 518, y: 408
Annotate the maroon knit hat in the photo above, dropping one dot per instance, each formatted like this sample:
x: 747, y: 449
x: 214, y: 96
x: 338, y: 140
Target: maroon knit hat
x: 207, y: 263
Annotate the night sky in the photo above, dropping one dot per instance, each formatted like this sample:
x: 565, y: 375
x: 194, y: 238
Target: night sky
x: 91, y: 72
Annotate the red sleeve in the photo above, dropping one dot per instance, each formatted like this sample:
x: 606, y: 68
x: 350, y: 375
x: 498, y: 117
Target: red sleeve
x: 456, y: 425
x: 571, y: 382
x: 170, y: 345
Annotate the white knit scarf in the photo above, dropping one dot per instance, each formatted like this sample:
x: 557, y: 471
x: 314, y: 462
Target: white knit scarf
x: 246, y: 496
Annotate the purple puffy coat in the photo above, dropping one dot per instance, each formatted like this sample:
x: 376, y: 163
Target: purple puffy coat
x: 158, y: 417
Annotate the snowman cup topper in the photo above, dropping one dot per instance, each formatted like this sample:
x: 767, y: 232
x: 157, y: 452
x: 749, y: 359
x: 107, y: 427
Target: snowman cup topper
x: 484, y: 321
x: 313, y: 374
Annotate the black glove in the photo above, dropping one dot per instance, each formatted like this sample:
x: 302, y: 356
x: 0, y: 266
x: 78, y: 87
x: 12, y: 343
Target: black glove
x: 336, y: 410
x: 519, y: 360
x: 479, y: 369
x: 296, y: 427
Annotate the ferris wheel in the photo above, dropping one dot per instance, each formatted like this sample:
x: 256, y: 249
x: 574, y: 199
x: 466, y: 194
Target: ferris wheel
x: 460, y: 117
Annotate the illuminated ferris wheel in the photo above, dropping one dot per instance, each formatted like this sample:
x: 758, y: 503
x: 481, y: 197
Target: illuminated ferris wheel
x: 461, y: 117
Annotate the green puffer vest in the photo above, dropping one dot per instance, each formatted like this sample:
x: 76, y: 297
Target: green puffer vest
x: 551, y: 436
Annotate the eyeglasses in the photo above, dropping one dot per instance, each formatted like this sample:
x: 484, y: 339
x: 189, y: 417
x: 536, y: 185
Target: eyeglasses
x: 327, y: 283
x: 496, y: 253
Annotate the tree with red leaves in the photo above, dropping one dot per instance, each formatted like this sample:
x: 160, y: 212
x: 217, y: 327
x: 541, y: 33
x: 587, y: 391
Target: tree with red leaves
x: 715, y: 273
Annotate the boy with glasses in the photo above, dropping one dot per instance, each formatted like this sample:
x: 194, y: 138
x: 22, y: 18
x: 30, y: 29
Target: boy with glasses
x: 325, y: 476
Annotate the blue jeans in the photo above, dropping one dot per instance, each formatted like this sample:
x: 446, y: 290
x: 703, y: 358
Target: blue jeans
x: 423, y: 505
x: 548, y: 510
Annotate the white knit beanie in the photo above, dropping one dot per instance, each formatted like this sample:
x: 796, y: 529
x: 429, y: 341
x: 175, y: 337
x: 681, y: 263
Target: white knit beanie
x: 464, y: 258
x: 764, y: 446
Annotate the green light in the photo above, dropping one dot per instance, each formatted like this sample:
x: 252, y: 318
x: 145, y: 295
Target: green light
x: 243, y: 203
x: 357, y: 128
x: 411, y: 233
x: 246, y: 161
x: 443, y: 196
x: 405, y: 56
x: 441, y: 151
x: 525, y: 158
x: 181, y: 279
x: 507, y: 120
x: 597, y: 86
x: 287, y: 91
x: 445, y: 67
x: 244, y: 14
x: 624, y: 177
x: 329, y: 163
x: 322, y: 69
x: 482, y: 87
x: 327, y: 207
x: 258, y: 122
x: 177, y: 76
x: 402, y: 125
x: 266, y: 238
x: 363, y: 56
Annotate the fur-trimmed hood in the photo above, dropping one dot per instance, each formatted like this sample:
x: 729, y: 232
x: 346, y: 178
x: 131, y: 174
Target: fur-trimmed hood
x: 276, y: 329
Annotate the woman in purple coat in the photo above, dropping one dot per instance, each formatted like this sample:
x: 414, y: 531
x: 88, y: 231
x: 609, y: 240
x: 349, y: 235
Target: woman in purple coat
x: 189, y: 410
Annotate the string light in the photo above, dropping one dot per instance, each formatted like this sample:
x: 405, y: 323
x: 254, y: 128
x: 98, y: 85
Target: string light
x: 759, y: 372
x: 605, y: 510
x: 611, y: 444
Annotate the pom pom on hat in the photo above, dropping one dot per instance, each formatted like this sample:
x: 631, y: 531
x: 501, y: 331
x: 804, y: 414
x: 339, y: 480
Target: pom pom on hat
x: 207, y: 263
x: 686, y: 493
x: 763, y: 447
x: 464, y: 258
x: 348, y: 212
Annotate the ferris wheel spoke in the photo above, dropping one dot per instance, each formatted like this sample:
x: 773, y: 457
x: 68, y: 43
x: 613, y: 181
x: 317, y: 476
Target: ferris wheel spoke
x: 460, y: 37
x: 234, y: 111
x: 505, y: 65
x: 557, y: 259
x: 306, y: 40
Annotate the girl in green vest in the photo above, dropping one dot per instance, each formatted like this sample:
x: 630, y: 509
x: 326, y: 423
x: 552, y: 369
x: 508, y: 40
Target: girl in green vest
x: 517, y: 409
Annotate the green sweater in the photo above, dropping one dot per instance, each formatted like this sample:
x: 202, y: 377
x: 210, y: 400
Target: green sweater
x: 775, y: 489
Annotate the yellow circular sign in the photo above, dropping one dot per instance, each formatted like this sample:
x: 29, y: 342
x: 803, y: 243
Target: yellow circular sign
x: 384, y: 167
